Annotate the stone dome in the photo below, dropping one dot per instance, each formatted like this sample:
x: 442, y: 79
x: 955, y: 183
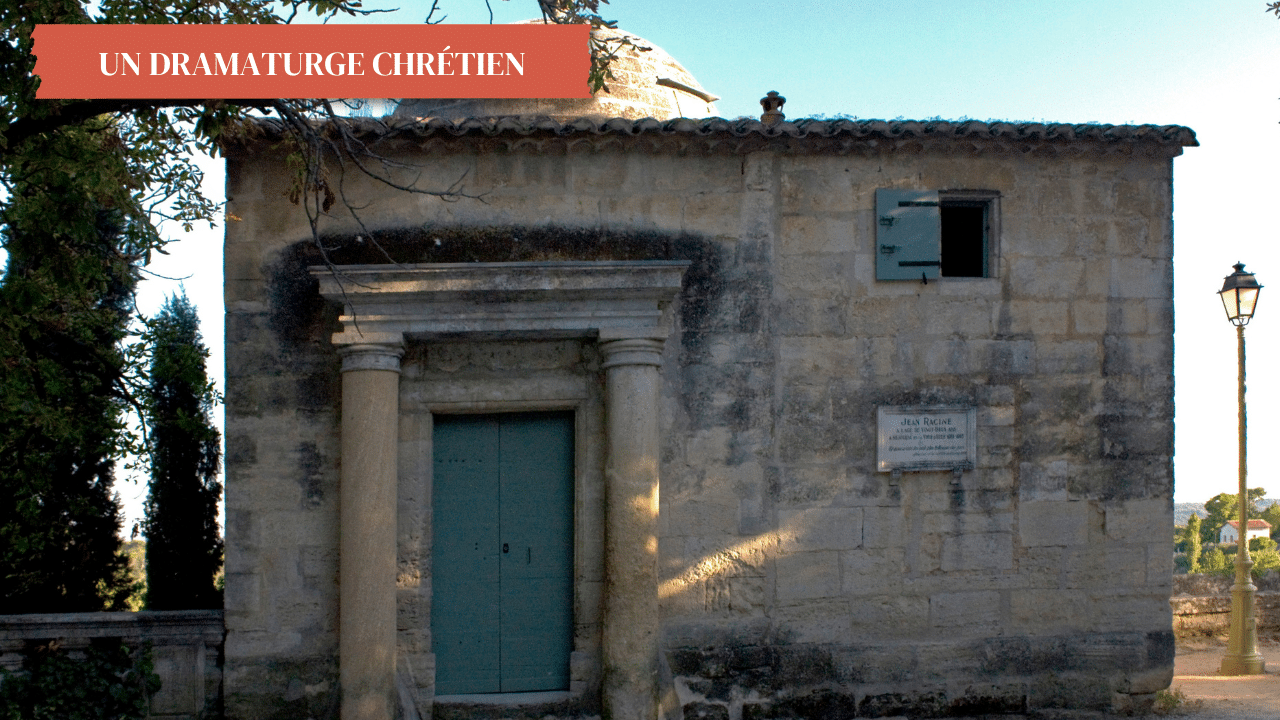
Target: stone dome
x: 645, y: 84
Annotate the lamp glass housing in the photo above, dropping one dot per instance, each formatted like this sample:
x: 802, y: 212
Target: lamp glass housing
x: 1239, y: 295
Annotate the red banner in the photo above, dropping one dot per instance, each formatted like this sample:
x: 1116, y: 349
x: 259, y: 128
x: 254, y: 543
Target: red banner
x: 312, y: 61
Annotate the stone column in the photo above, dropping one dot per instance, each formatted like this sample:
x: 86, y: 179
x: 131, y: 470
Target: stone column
x: 631, y: 522
x: 367, y: 560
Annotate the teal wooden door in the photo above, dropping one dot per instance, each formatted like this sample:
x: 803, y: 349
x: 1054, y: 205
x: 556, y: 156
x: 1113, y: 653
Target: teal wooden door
x: 502, y: 557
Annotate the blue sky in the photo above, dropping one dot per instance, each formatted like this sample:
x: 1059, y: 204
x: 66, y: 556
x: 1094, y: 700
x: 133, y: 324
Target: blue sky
x: 1207, y: 65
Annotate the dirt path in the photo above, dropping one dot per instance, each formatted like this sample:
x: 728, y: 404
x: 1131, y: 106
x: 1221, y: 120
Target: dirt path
x: 1213, y: 697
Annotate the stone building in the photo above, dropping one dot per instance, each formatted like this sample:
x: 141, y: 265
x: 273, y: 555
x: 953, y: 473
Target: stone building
x: 624, y: 436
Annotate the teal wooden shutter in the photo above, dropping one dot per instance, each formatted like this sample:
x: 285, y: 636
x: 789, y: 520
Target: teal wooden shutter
x: 502, y: 559
x: 908, y: 234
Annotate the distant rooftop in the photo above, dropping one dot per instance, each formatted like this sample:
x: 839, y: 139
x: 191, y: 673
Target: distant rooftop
x: 1253, y: 524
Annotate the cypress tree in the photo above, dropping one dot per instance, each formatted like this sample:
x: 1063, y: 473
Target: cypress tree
x: 184, y: 550
x: 1193, y: 543
x: 63, y: 311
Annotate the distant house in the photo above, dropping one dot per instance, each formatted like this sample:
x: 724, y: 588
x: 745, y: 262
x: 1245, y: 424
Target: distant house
x: 1231, y: 531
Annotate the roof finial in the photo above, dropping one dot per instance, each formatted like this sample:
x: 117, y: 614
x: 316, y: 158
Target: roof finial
x: 772, y: 104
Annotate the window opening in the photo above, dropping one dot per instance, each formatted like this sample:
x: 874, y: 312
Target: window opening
x: 964, y: 238
x: 927, y: 234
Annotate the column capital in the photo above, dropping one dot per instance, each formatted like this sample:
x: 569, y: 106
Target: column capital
x: 631, y: 351
x: 371, y: 356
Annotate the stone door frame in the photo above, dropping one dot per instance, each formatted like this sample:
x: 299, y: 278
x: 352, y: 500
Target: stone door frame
x: 624, y: 307
x: 447, y: 396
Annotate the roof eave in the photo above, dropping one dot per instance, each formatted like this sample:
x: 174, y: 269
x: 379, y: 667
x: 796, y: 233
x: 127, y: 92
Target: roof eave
x: 796, y: 134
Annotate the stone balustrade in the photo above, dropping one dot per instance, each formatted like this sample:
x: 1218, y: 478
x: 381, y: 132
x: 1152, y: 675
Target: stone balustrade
x: 1201, y: 603
x: 1211, y: 614
x: 186, y: 649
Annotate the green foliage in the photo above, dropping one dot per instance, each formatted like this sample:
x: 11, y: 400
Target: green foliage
x: 109, y: 683
x: 136, y: 552
x: 1214, y: 561
x: 1181, y: 565
x: 181, y: 525
x: 1264, y: 560
x: 1191, y: 537
x: 1174, y: 701
x: 1261, y: 550
x: 84, y: 186
x: 63, y: 310
x: 1272, y: 515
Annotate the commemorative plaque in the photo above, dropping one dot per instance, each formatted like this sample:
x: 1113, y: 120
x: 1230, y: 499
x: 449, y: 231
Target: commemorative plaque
x: 926, y: 437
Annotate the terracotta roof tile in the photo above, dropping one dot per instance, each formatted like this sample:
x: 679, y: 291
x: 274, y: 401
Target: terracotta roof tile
x: 1253, y: 524
x: 1176, y: 136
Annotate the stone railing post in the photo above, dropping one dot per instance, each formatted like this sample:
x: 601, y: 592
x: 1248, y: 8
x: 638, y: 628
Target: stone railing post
x: 631, y: 629
x: 367, y: 524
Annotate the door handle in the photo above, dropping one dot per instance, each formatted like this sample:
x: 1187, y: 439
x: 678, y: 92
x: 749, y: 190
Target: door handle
x: 506, y: 548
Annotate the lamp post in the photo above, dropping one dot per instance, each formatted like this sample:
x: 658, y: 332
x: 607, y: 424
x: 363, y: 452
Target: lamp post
x: 1239, y: 296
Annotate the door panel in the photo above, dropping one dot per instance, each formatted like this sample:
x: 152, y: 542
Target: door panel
x: 465, y: 557
x: 504, y: 607
x: 537, y: 577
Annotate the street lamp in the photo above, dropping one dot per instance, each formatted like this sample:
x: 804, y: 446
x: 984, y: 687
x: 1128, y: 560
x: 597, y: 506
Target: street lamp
x: 1239, y: 297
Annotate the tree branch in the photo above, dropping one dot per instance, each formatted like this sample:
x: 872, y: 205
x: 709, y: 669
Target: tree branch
x: 78, y: 111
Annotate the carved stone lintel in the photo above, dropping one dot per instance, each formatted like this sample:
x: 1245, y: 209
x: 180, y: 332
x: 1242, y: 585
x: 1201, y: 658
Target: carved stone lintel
x: 383, y: 303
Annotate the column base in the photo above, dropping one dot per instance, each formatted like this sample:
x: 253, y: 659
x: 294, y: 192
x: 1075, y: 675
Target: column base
x: 1243, y: 665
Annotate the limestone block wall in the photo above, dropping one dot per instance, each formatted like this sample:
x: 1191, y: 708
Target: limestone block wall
x: 1040, y: 579
x: 282, y: 416
x: 794, y: 578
